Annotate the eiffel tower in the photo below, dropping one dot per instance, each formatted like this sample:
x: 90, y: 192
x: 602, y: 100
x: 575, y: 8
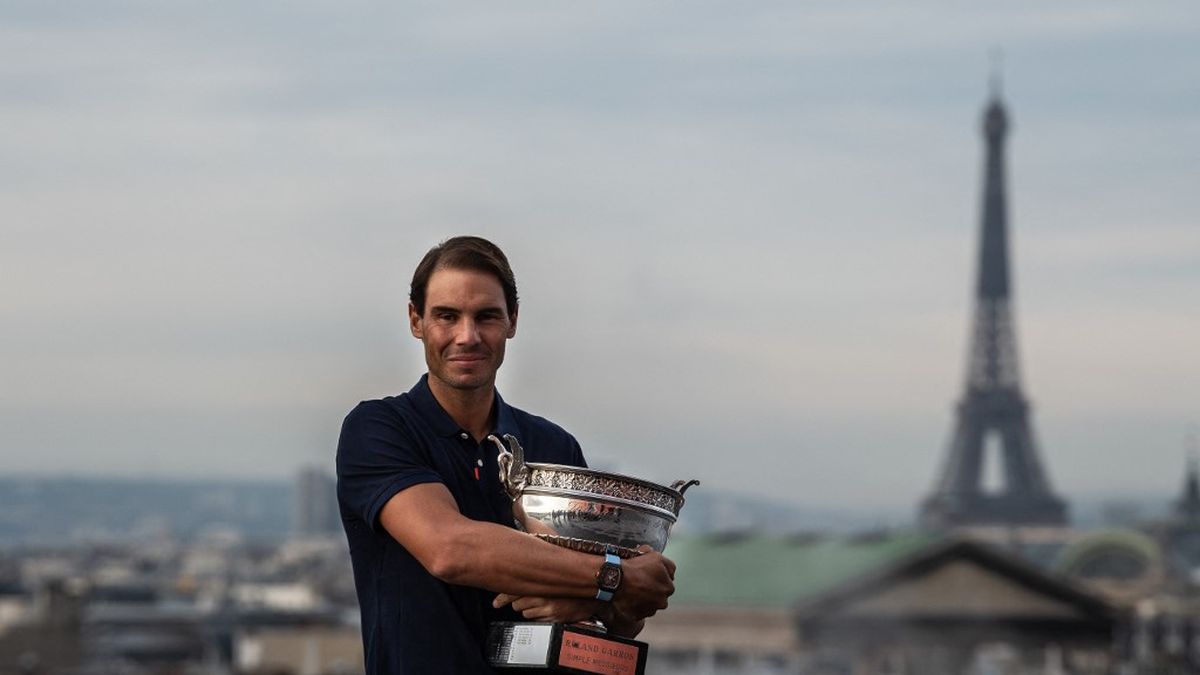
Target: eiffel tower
x: 993, y: 407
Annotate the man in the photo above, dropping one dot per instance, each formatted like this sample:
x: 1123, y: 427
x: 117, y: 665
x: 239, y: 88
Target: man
x: 435, y: 554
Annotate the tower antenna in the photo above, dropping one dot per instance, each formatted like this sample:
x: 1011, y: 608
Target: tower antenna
x: 996, y: 76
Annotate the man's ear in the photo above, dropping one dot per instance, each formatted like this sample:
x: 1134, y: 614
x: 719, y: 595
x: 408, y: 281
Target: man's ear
x: 512, y: 324
x: 414, y: 322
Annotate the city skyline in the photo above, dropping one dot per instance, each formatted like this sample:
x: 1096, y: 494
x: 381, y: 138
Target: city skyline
x: 743, y: 237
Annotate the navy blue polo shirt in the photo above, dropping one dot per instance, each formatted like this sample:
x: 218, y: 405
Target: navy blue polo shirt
x: 411, y: 621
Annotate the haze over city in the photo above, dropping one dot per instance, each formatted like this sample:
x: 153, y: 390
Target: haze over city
x: 744, y: 237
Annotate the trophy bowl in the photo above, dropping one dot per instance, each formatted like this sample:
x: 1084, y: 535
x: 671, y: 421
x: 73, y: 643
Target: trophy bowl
x: 588, y: 510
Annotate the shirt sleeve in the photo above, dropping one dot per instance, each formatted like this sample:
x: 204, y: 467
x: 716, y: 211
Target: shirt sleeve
x: 577, y: 453
x: 377, y: 457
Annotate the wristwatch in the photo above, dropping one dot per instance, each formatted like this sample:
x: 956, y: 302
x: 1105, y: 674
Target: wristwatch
x: 608, y: 578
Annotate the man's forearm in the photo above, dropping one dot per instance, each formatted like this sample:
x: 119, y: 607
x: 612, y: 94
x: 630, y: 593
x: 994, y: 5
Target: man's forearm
x: 503, y: 560
x: 425, y: 520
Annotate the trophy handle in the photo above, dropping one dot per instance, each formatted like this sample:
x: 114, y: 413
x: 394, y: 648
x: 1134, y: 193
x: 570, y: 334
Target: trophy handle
x: 681, y: 486
x: 513, y: 472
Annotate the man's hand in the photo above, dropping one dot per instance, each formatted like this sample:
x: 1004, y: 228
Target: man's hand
x: 646, y: 582
x: 571, y: 610
x: 557, y: 610
x: 621, y: 625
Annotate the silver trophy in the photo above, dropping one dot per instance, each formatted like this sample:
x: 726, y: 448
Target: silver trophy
x: 587, y: 510
x: 590, y: 511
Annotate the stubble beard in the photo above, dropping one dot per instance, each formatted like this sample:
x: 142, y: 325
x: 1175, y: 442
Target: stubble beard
x: 470, y: 381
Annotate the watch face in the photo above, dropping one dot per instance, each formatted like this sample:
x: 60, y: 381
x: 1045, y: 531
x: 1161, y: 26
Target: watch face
x: 610, y: 577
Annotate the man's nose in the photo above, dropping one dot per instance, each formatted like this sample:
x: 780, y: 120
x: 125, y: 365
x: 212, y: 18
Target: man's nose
x: 468, y: 332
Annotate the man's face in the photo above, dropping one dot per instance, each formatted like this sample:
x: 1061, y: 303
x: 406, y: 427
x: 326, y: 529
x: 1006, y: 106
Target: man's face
x: 464, y: 328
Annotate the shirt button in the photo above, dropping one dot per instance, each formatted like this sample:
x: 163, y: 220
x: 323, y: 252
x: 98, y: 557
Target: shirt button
x: 464, y: 435
x: 479, y: 462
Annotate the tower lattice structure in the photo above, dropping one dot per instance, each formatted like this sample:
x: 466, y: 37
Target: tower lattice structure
x: 993, y: 404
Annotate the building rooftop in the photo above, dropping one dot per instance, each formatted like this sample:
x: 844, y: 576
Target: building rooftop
x: 758, y: 570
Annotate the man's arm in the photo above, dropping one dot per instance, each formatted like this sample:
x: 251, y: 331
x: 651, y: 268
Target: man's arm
x: 425, y: 520
x: 616, y: 615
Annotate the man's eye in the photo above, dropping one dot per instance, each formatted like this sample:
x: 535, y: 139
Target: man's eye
x: 444, y: 316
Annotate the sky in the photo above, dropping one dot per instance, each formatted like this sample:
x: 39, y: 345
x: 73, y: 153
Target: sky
x: 743, y: 233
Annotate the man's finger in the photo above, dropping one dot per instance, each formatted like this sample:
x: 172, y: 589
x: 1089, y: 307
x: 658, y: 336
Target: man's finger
x: 504, y: 599
x: 535, y: 613
x: 670, y: 564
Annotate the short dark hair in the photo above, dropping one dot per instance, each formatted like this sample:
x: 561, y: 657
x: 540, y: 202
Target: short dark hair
x: 464, y: 253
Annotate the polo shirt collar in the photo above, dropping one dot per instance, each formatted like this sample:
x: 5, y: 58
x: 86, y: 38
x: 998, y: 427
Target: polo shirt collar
x: 505, y: 421
x: 444, y: 425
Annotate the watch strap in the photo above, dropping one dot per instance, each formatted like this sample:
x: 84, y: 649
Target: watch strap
x: 610, y: 560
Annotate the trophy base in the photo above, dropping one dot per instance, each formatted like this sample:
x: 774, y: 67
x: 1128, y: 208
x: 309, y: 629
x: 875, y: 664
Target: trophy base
x: 562, y: 648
